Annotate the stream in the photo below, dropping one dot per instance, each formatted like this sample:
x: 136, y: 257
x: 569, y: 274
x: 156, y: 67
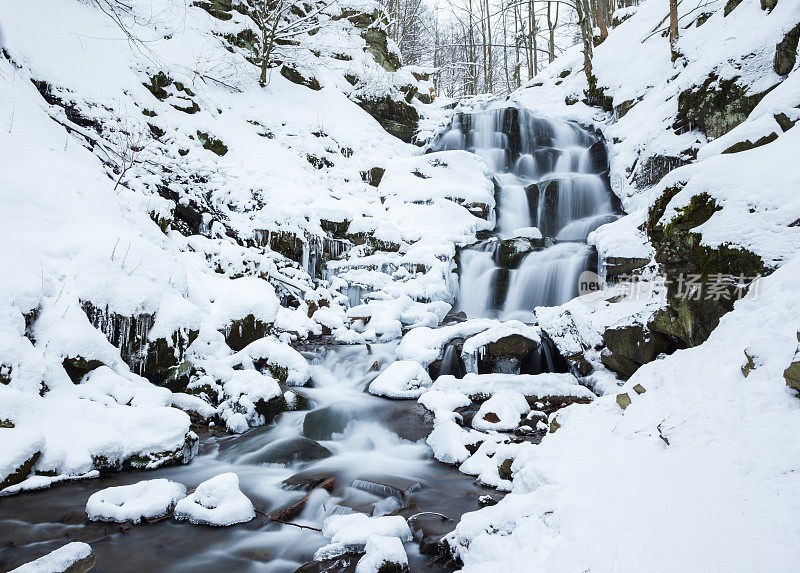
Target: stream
x: 369, y: 453
x: 378, y: 458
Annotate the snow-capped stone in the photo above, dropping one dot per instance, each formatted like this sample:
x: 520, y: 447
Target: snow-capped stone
x: 75, y: 557
x: 144, y: 500
x: 217, y: 501
x: 402, y: 379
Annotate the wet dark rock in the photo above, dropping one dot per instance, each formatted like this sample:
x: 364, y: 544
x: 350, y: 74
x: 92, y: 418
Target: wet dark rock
x: 506, y: 355
x: 428, y: 528
x: 395, y: 115
x: 345, y: 563
x: 630, y: 347
x: 717, y: 106
x: 598, y: 156
x: 786, y: 52
x: 322, y: 423
x: 77, y: 367
x: 510, y: 252
x: 162, y: 361
x: 656, y: 167
x: 245, y: 330
x: 310, y: 479
x: 450, y: 361
x: 20, y: 473
x: 387, y: 485
x: 617, y: 267
x: 288, y: 451
x: 792, y: 374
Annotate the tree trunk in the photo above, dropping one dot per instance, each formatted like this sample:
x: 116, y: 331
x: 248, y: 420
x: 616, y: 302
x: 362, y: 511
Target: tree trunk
x: 673, y: 29
x: 582, y: 9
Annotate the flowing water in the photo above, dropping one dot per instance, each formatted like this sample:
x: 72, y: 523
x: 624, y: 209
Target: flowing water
x: 379, y: 460
x: 550, y: 174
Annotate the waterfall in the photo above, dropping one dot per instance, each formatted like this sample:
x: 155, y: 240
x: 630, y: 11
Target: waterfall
x: 549, y: 174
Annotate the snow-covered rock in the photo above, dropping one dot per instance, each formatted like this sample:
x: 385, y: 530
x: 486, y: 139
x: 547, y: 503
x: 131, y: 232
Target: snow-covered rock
x: 217, y: 501
x: 144, y: 500
x: 402, y: 379
x: 73, y: 557
x: 382, y: 551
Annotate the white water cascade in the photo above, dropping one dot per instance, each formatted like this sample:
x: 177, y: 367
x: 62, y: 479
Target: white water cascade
x: 550, y: 174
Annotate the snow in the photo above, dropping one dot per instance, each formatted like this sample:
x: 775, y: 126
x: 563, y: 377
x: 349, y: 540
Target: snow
x: 148, y: 499
x: 402, y: 379
x: 19, y: 446
x: 495, y: 333
x: 59, y: 560
x: 447, y: 400
x: 217, y: 501
x: 532, y: 385
x: 507, y: 406
x: 380, y: 550
x: 356, y: 529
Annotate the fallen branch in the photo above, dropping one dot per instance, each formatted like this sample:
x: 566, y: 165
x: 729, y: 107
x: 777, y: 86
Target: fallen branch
x: 288, y: 522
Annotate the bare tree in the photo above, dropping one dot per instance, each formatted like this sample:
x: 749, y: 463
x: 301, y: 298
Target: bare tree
x: 277, y: 22
x: 129, y: 145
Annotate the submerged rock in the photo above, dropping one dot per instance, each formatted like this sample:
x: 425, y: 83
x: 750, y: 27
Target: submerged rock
x: 289, y: 451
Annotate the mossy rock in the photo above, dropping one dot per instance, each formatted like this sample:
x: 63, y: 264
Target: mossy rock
x: 22, y: 472
x: 245, y: 330
x: 792, y: 375
x: 77, y: 367
x: 162, y: 361
x: 294, y: 76
x: 630, y: 347
x: 689, y: 320
x: 730, y: 6
x: 157, y: 84
x: 395, y: 116
x: 179, y: 456
x: 510, y: 252
x: 786, y: 52
x: 378, y: 46
x: 717, y: 106
x: 655, y: 167
x: 219, y: 9
x: 768, y: 5
x: 373, y: 176
x: 501, y: 280
x: 212, y: 143
x: 746, y: 145
x: 287, y: 244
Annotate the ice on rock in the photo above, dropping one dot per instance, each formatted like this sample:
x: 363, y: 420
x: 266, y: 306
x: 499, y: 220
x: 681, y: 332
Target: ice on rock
x: 149, y: 499
x: 75, y: 556
x: 217, y: 501
x: 356, y: 529
x: 527, y: 233
x: 402, y: 379
x: 382, y: 550
x: 501, y: 412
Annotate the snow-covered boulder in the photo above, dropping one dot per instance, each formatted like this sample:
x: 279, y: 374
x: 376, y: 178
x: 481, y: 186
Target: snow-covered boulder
x: 217, y: 501
x: 21, y: 448
x: 383, y: 553
x: 145, y: 500
x: 402, y: 379
x: 501, y: 412
x: 75, y: 557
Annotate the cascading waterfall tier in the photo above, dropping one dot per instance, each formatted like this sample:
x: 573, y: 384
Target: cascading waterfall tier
x: 552, y: 192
